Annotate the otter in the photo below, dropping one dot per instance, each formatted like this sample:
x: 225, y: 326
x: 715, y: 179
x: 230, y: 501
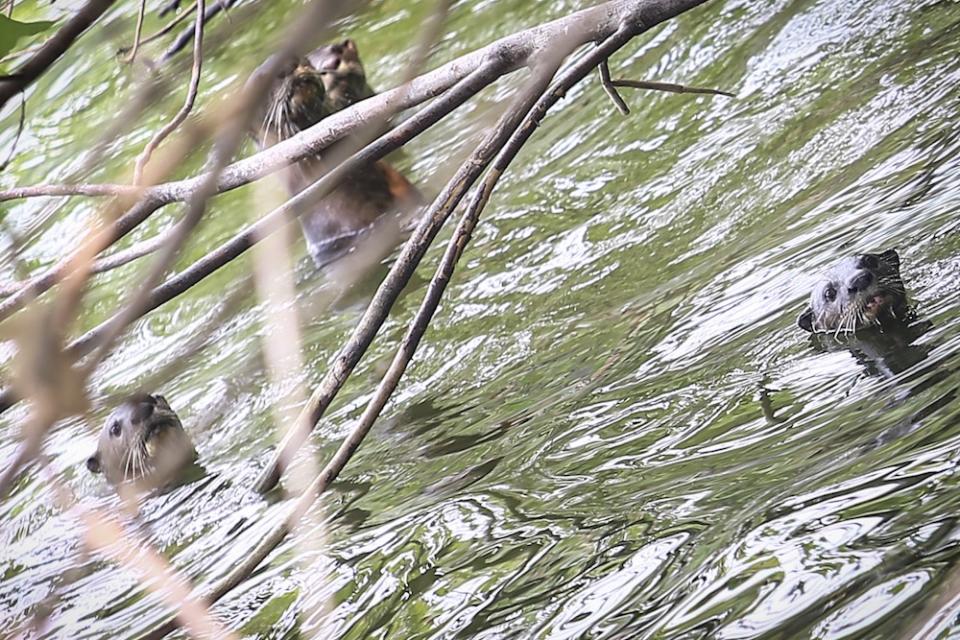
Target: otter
x: 142, y: 441
x: 343, y: 76
x: 860, y: 291
x: 302, y: 95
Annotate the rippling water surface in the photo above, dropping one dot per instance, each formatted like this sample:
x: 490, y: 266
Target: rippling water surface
x: 614, y: 428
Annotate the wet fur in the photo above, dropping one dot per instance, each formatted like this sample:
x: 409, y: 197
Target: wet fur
x: 859, y: 291
x: 362, y: 197
x: 142, y: 440
x: 344, y: 77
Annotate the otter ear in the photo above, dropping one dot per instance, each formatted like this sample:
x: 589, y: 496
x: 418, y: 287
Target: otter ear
x: 93, y: 463
x: 891, y: 257
x: 805, y: 321
x: 143, y: 408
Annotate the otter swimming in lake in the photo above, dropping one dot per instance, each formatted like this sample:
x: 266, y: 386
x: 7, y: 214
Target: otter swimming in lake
x: 858, y: 292
x: 142, y: 441
x: 306, y: 91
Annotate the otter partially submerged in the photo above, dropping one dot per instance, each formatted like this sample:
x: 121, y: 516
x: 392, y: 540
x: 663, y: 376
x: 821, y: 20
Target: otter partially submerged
x: 142, y: 441
x: 304, y: 92
x: 858, y: 292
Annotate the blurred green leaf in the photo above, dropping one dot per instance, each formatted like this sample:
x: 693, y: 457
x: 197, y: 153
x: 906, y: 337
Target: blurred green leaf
x: 11, y: 31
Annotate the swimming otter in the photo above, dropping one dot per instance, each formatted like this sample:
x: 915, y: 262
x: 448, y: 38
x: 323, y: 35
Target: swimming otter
x: 859, y: 291
x: 142, y: 440
x: 343, y: 76
x: 299, y: 99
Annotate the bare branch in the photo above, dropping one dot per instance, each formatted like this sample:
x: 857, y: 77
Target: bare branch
x: 62, y: 190
x: 113, y: 261
x: 51, y: 50
x: 403, y: 268
x: 138, y: 31
x: 170, y: 26
x: 604, y: 69
x: 188, y: 102
x: 670, y: 87
x: 187, y: 34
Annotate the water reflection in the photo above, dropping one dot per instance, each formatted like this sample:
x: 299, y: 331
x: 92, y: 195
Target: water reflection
x: 614, y: 428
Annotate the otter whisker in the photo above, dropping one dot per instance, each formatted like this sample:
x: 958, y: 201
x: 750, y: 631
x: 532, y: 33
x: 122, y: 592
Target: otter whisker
x: 141, y: 470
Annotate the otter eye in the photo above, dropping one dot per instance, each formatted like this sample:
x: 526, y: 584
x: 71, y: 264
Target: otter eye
x: 115, y: 429
x: 830, y: 293
x: 868, y: 262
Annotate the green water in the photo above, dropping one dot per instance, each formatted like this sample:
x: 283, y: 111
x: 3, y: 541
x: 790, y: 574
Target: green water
x: 613, y: 428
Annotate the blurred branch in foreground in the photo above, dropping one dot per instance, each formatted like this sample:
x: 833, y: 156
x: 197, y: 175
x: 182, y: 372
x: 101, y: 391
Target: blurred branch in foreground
x: 542, y: 49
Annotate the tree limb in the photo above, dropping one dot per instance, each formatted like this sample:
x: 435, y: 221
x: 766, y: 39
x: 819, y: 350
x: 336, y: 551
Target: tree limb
x: 507, y: 124
x: 583, y: 26
x: 406, y: 263
x: 52, y: 49
x: 513, y: 130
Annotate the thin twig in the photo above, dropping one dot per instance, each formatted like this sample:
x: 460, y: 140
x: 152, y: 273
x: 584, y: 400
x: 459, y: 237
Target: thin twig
x: 670, y: 87
x: 16, y: 138
x: 604, y: 69
x: 65, y: 190
x: 137, y: 32
x: 131, y: 253
x: 187, y: 34
x: 187, y: 104
x: 167, y: 28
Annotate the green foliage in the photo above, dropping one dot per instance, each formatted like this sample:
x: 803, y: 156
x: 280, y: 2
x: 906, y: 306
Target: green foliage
x: 12, y: 31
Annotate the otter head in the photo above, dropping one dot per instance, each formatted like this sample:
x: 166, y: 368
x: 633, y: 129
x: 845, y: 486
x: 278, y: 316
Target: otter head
x: 857, y: 292
x: 343, y: 74
x: 297, y: 101
x: 143, y: 441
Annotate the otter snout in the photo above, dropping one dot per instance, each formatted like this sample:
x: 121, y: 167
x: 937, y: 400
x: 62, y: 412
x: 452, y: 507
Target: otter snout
x: 857, y: 291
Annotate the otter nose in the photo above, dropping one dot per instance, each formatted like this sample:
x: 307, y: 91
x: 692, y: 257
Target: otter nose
x: 860, y: 283
x: 93, y: 464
